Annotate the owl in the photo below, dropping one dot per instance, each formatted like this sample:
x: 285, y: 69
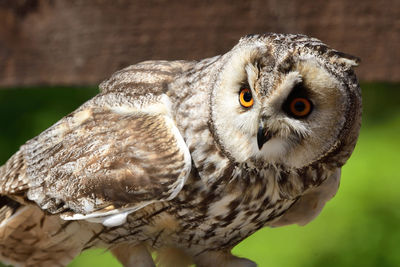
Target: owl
x: 186, y: 158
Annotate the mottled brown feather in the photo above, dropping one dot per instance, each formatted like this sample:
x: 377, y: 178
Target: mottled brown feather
x: 104, y: 159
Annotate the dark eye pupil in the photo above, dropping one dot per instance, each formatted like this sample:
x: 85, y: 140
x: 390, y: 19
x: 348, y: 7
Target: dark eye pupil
x: 247, y: 96
x: 299, y: 106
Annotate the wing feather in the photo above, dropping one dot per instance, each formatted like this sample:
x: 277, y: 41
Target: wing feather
x: 105, y: 159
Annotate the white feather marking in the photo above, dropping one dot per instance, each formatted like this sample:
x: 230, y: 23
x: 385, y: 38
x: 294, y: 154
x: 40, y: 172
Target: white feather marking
x: 115, y: 220
x: 86, y: 205
x: 80, y: 117
x: 124, y: 109
x: 15, y: 215
x: 158, y: 105
x: 102, y: 216
x: 60, y: 129
x: 186, y: 157
x: 272, y: 150
x: 346, y: 61
x: 252, y: 74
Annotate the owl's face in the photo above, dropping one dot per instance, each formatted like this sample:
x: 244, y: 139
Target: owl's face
x: 280, y: 106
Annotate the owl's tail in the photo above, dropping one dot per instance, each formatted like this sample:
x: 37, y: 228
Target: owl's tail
x: 8, y: 208
x: 29, y: 237
x: 10, y: 220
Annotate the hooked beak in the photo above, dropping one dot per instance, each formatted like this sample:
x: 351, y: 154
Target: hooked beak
x: 263, y: 135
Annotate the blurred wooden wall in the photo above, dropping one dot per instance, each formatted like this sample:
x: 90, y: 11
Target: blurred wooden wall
x: 72, y: 42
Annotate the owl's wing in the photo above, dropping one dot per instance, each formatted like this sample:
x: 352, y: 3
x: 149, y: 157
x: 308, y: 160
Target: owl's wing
x: 114, y: 155
x: 309, y: 205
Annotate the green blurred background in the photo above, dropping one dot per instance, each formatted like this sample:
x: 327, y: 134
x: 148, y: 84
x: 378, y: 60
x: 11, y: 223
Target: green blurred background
x: 359, y: 227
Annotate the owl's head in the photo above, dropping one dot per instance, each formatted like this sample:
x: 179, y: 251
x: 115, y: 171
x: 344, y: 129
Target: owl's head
x: 287, y: 100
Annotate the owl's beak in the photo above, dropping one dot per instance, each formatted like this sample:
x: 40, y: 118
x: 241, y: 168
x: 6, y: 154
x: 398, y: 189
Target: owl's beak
x: 263, y: 135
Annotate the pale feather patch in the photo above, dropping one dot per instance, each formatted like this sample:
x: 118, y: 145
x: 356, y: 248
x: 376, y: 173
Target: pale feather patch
x: 186, y: 155
x: 272, y: 150
x: 17, y: 218
x: 61, y: 129
x: 115, y: 220
x: 252, y: 75
x: 347, y: 62
x: 158, y: 105
x: 65, y: 126
x: 113, y: 217
x: 87, y: 205
x: 222, y: 205
x: 315, y: 76
x: 124, y: 109
x: 276, y: 99
x: 81, y: 116
x: 125, y: 76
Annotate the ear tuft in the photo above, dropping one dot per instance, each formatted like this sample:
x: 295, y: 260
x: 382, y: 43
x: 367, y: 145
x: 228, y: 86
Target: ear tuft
x: 347, y: 60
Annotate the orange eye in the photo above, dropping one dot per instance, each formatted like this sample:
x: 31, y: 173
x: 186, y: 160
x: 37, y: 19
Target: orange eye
x: 245, y: 98
x: 300, y: 107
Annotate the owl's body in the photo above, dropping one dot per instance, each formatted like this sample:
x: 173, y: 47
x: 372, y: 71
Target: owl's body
x: 186, y: 158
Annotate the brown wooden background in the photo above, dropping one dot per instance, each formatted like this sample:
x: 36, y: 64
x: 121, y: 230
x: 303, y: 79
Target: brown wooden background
x: 72, y: 42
